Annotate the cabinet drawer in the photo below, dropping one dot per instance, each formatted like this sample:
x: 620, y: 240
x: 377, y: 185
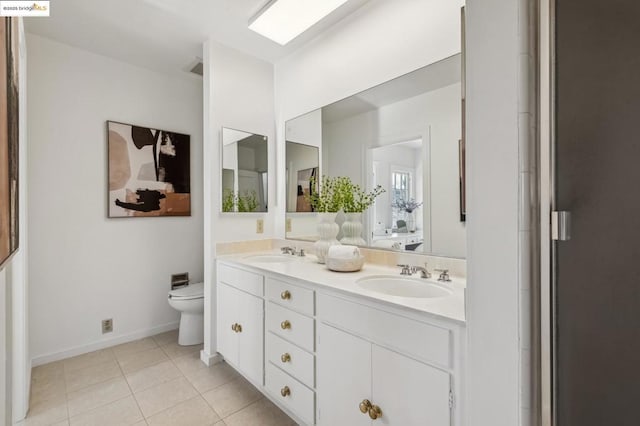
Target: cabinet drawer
x: 244, y: 280
x: 290, y: 358
x: 424, y: 341
x: 299, y: 399
x: 291, y: 296
x: 291, y: 325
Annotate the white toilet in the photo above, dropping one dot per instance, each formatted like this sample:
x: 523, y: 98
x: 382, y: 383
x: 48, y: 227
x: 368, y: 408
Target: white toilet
x: 189, y: 301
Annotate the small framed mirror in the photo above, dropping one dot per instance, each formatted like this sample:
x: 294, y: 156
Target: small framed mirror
x: 244, y: 174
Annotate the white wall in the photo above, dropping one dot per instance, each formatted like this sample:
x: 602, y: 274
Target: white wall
x: 498, y: 219
x: 238, y: 93
x: 84, y: 267
x: 4, y: 348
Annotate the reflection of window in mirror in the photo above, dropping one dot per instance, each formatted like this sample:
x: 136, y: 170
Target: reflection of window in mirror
x: 244, y: 171
x: 400, y: 191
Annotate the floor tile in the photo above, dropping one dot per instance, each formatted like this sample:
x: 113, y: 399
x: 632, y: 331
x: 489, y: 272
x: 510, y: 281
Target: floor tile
x: 231, y: 397
x: 62, y: 423
x: 97, y: 395
x: 141, y: 423
x: 174, y: 350
x: 47, y: 417
x: 166, y: 337
x: 122, y: 412
x: 39, y: 405
x: 88, y: 359
x: 48, y: 371
x: 193, y: 412
x: 138, y: 361
x: 152, y: 376
x: 165, y: 395
x: 42, y: 391
x: 211, y: 377
x: 133, y: 347
x: 87, y: 376
x: 189, y: 363
x: 260, y: 413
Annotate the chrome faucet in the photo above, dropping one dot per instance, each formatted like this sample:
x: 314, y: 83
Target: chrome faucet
x: 406, y: 270
x: 292, y: 251
x: 410, y: 270
x: 288, y: 250
x: 424, y: 272
x: 444, y: 275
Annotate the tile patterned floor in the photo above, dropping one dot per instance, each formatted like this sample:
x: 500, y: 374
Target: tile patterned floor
x: 152, y: 381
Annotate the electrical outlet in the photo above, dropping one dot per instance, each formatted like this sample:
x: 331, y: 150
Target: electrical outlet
x: 107, y: 326
x: 288, y: 225
x: 259, y: 226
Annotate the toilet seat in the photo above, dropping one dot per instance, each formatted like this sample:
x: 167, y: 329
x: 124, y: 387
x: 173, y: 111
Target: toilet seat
x: 190, y: 292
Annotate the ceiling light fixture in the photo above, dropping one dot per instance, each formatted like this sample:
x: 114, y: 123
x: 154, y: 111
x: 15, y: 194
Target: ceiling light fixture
x: 283, y: 20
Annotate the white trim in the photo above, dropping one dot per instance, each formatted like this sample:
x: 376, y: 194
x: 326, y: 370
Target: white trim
x: 209, y: 359
x: 79, y: 350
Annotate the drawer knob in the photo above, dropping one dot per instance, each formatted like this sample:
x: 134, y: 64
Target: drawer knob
x: 238, y: 328
x: 365, y: 405
x: 285, y: 295
x: 285, y: 391
x: 285, y: 325
x: 285, y: 357
x: 375, y: 412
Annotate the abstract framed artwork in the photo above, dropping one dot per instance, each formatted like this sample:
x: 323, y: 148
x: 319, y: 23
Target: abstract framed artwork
x: 304, y: 189
x: 149, y: 172
x: 9, y: 125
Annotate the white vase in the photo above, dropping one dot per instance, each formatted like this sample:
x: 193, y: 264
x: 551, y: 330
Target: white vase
x: 352, y: 230
x: 328, y: 230
x: 411, y: 221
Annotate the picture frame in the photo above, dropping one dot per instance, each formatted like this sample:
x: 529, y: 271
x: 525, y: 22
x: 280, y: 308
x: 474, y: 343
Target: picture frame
x: 9, y: 142
x: 149, y: 171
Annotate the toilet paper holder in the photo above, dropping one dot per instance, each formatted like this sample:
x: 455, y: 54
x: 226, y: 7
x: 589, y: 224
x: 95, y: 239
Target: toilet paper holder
x: 179, y: 280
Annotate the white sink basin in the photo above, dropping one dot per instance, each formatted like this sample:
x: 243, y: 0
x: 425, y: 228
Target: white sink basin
x: 271, y: 258
x: 399, y: 286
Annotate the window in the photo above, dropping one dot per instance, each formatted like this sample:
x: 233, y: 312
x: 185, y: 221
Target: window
x: 400, y: 190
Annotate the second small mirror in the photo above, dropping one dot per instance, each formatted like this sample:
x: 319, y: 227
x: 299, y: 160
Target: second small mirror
x: 244, y: 172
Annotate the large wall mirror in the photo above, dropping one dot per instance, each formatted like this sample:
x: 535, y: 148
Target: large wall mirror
x: 404, y: 135
x: 244, y: 172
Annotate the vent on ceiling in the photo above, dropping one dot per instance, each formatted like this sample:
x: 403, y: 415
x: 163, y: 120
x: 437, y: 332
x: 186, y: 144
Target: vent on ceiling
x: 197, y: 69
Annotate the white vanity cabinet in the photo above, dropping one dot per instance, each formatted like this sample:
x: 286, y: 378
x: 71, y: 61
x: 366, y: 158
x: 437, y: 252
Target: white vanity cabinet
x: 323, y: 355
x: 394, y: 368
x: 240, y: 321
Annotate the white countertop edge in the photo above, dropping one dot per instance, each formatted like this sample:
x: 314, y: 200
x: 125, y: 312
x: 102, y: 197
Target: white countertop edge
x: 307, y: 270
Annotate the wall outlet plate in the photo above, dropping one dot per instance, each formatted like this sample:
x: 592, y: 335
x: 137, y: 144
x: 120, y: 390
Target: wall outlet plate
x: 287, y: 225
x: 260, y: 226
x: 107, y: 325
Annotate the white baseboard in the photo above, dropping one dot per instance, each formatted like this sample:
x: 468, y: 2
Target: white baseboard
x: 209, y: 359
x: 79, y: 350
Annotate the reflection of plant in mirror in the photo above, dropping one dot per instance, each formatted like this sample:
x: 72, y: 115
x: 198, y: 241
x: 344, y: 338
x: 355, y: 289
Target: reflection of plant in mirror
x: 228, y: 200
x: 248, y: 202
x: 354, y: 198
x: 407, y: 206
x: 324, y: 198
x: 340, y: 192
x: 245, y: 203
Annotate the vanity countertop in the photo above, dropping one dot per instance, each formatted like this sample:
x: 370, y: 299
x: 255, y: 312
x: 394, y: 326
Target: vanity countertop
x: 307, y: 269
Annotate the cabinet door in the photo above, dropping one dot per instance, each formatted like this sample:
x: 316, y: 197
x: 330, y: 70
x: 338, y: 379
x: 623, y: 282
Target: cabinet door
x: 343, y: 376
x: 227, y: 301
x: 409, y: 392
x: 251, y: 339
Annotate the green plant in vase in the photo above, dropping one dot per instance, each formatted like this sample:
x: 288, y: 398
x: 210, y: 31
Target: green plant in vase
x: 355, y: 201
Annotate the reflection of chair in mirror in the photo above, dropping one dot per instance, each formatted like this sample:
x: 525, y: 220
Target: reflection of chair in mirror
x: 402, y: 226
